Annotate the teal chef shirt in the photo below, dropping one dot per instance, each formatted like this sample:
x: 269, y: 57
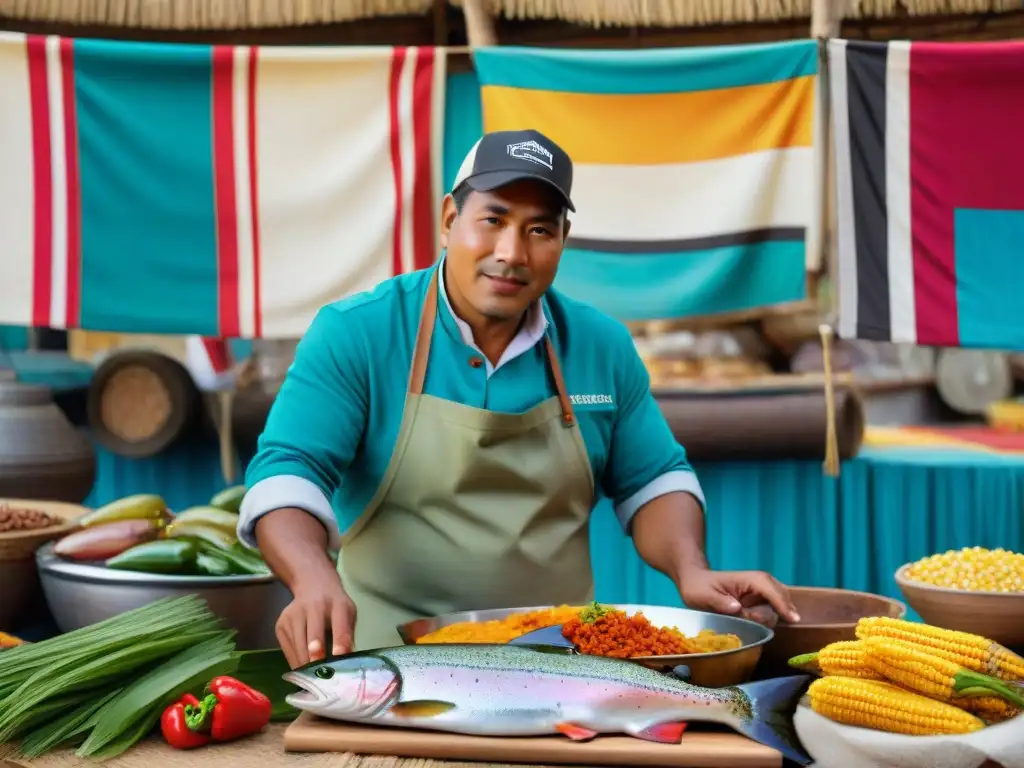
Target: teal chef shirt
x: 332, y: 428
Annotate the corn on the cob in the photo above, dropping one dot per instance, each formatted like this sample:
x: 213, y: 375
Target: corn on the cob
x: 973, y: 652
x: 989, y: 708
x: 886, y: 707
x: 929, y: 674
x: 844, y: 658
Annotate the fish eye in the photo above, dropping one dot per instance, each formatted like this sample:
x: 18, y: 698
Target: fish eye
x: 324, y: 673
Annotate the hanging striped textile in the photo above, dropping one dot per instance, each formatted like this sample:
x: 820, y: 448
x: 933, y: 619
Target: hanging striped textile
x: 929, y: 141
x: 695, y: 172
x: 212, y: 190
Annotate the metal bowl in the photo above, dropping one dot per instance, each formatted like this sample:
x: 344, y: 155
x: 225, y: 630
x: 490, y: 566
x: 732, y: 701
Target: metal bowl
x: 80, y: 594
x: 712, y: 670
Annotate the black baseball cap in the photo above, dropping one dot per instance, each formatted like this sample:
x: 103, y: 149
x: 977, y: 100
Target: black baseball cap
x: 502, y: 157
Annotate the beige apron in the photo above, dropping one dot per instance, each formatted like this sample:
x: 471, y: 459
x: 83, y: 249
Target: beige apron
x: 476, y: 510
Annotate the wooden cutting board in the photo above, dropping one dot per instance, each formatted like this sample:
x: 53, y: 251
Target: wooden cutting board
x: 699, y: 749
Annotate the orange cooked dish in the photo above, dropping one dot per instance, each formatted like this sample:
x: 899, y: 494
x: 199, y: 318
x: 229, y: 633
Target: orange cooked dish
x: 595, y: 629
x: 601, y: 631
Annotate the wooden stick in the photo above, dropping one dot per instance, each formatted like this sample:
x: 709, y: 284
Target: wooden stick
x: 479, y: 24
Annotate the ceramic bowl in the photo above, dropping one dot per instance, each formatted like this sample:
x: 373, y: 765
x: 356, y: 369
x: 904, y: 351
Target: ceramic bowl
x: 827, y: 615
x: 999, y: 616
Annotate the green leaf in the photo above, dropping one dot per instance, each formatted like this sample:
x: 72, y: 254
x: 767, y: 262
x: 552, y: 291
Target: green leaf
x: 159, y: 688
x: 47, y: 710
x: 75, y: 722
x: 264, y: 670
x: 39, y: 689
x: 131, y: 737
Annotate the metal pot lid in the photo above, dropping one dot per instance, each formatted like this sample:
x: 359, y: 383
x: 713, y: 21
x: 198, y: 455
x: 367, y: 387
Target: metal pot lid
x: 15, y: 393
x: 50, y: 565
x: 968, y: 380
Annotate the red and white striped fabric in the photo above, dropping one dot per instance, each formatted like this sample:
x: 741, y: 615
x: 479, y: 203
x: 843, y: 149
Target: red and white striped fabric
x: 305, y: 175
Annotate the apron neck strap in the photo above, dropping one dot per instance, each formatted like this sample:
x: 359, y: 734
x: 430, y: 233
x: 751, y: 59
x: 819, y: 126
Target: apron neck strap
x: 425, y: 333
x: 423, y: 337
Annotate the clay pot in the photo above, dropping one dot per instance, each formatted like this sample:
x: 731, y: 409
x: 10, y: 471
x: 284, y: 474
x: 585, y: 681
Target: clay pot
x: 827, y: 615
x: 42, y: 455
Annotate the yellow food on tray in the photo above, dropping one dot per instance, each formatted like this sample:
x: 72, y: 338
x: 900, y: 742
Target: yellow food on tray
x: 501, y: 630
x: 596, y: 630
x: 916, y: 679
x: 973, y: 569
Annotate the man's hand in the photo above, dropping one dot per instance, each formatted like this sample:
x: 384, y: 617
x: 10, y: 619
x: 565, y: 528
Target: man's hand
x: 302, y: 627
x: 294, y: 544
x: 753, y: 595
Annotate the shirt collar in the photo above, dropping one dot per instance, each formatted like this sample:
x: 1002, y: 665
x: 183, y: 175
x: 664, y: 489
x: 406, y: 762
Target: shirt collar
x: 532, y: 331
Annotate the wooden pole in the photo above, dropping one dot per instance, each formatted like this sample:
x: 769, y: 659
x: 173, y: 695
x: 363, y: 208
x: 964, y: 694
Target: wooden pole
x: 826, y: 23
x: 480, y: 31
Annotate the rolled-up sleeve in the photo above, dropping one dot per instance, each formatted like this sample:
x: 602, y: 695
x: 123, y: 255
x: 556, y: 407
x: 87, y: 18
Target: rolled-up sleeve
x: 313, y: 429
x: 645, y: 460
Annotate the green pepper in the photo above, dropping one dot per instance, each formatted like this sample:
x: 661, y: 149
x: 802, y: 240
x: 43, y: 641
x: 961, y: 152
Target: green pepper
x: 230, y: 499
x: 245, y: 561
x: 191, y: 529
x: 165, y: 556
x: 212, y: 563
x: 210, y: 517
x: 141, y: 507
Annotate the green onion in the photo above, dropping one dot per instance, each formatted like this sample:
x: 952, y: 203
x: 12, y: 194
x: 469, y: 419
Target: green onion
x: 107, y: 684
x: 63, y: 730
x: 45, y: 685
x: 158, y: 689
x: 129, y: 738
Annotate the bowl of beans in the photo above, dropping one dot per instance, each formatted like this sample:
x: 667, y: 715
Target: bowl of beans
x: 26, y: 525
x: 973, y: 590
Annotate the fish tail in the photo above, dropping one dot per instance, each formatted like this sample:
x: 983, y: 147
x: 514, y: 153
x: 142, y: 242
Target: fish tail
x: 767, y: 714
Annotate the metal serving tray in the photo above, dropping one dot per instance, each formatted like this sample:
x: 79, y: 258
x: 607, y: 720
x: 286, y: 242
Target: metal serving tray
x: 712, y: 670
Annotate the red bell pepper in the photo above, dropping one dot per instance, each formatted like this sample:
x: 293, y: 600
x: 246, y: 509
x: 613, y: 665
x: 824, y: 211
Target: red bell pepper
x: 175, y: 728
x: 229, y: 711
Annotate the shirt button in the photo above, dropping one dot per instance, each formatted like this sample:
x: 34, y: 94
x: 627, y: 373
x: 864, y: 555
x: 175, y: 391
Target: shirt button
x: 476, y: 362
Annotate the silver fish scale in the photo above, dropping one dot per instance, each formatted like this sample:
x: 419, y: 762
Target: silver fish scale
x: 519, y: 658
x: 519, y: 690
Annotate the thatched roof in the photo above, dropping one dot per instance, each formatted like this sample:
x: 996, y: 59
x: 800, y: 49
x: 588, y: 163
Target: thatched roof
x: 256, y: 14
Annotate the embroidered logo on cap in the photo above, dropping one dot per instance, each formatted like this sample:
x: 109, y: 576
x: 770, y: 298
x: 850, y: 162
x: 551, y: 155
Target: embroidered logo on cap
x: 532, y: 151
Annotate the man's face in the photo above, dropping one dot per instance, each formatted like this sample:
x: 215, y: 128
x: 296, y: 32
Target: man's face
x: 503, y: 248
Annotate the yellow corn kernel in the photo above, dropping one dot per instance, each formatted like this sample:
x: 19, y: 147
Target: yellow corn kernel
x: 991, y: 709
x: 886, y: 707
x: 845, y: 658
x: 971, y: 569
x: 973, y: 652
x: 912, y: 668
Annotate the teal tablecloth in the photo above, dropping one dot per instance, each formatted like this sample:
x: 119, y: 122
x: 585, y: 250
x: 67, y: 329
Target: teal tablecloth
x: 887, y: 507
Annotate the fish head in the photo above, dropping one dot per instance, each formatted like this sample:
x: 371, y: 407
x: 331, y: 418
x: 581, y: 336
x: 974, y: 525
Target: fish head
x: 351, y: 686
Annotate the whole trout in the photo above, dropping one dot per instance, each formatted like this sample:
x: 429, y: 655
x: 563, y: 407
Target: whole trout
x: 520, y: 690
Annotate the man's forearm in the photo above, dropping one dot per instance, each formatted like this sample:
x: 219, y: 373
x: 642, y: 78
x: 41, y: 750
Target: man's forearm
x: 668, y: 533
x: 294, y: 544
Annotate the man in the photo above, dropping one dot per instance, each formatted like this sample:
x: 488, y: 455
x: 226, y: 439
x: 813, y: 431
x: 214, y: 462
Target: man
x: 451, y: 430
